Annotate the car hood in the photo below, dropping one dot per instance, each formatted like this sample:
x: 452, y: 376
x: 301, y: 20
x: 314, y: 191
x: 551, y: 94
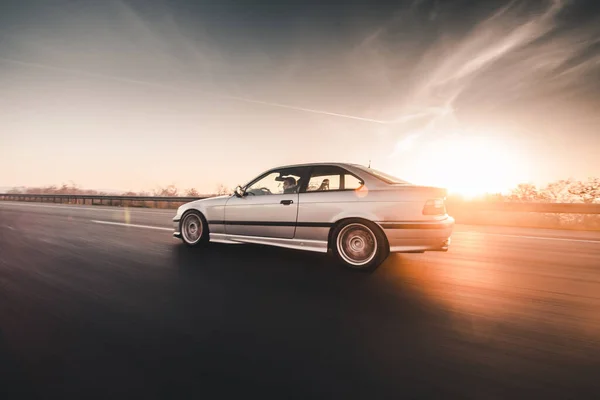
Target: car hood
x: 202, y: 203
x: 213, y: 201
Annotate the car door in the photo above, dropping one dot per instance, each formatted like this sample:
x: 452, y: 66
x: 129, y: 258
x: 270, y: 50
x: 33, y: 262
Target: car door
x: 265, y: 209
x: 329, y: 193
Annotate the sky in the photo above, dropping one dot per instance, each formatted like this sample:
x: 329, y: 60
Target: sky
x: 135, y: 95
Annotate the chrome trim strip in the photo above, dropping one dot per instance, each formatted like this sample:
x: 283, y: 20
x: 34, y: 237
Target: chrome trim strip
x: 225, y: 241
x: 314, y: 224
x: 385, y: 225
x: 400, y: 225
x: 253, y: 223
x: 297, y: 244
x: 439, y: 224
x: 274, y: 223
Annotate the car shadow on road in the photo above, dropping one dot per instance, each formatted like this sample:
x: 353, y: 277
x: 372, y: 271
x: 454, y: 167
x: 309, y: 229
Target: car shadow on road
x: 306, y: 275
x: 262, y: 260
x: 14, y: 380
x: 287, y: 300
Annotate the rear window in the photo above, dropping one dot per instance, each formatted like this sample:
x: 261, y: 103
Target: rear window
x: 382, y: 176
x: 352, y: 182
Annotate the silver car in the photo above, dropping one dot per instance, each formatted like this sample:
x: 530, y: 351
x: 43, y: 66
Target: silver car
x: 357, y: 213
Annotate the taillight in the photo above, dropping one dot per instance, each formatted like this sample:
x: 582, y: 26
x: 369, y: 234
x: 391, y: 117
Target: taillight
x: 434, y: 207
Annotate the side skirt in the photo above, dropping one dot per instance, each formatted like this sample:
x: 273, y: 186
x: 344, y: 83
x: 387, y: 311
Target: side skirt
x: 297, y: 244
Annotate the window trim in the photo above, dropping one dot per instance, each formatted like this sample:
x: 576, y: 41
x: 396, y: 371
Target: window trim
x: 266, y: 173
x: 354, y: 175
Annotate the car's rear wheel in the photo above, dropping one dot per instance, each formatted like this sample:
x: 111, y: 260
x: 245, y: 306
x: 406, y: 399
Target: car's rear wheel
x: 359, y: 245
x: 194, y: 228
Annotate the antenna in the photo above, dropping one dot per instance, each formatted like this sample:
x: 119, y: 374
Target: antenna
x: 369, y: 163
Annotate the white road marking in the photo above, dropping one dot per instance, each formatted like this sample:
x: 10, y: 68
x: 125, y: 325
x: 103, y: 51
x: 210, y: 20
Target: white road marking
x: 132, y: 225
x: 529, y: 237
x: 127, y: 209
x: 75, y: 207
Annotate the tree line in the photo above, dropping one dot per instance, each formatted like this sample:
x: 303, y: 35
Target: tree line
x: 74, y: 189
x: 561, y: 191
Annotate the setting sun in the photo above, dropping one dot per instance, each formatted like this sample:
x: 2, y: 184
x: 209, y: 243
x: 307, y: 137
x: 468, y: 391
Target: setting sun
x: 468, y: 166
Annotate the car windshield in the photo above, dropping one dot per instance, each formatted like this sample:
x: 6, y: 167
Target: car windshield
x: 387, y: 178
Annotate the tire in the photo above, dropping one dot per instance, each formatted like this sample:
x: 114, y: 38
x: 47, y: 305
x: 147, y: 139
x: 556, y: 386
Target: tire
x: 359, y: 245
x: 194, y: 229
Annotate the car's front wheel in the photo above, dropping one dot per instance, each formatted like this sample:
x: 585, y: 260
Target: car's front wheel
x: 194, y: 228
x: 359, y: 245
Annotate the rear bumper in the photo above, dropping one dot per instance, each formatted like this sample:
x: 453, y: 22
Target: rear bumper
x: 411, y: 237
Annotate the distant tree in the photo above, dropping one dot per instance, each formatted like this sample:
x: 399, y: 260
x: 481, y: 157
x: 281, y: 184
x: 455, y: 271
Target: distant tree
x: 64, y: 189
x: 223, y: 190
x: 586, y: 192
x: 15, y: 191
x: 558, y: 192
x: 526, y: 192
x: 562, y: 191
x: 41, y: 190
x: 192, y: 193
x: 169, y: 191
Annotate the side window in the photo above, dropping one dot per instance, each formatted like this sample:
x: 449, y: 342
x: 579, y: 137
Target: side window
x: 276, y: 182
x: 326, y: 178
x: 351, y: 182
x: 323, y: 182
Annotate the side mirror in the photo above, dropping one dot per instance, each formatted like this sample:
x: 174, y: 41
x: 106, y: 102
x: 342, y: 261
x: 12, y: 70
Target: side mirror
x: 239, y: 192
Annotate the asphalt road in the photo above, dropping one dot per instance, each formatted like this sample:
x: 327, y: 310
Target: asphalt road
x: 96, y: 310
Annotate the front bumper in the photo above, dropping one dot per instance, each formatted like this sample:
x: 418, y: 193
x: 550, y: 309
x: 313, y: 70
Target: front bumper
x: 176, y: 228
x: 411, y: 237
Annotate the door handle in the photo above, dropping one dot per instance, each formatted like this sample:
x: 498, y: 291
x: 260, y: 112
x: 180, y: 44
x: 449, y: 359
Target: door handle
x: 286, y: 202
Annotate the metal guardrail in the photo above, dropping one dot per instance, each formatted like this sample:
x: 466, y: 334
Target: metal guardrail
x: 95, y: 199
x: 554, y: 208
x: 550, y: 208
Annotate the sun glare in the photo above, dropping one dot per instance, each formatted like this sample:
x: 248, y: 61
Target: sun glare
x: 468, y: 166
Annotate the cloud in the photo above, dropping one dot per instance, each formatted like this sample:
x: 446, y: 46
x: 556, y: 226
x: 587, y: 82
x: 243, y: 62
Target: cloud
x: 416, y: 70
x: 161, y: 46
x: 519, y: 50
x: 187, y: 90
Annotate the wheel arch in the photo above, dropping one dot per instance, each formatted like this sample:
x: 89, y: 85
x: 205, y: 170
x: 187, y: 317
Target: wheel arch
x: 357, y: 219
x: 197, y: 211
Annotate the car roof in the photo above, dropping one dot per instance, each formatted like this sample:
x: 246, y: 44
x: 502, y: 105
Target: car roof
x: 357, y: 169
x: 315, y: 164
